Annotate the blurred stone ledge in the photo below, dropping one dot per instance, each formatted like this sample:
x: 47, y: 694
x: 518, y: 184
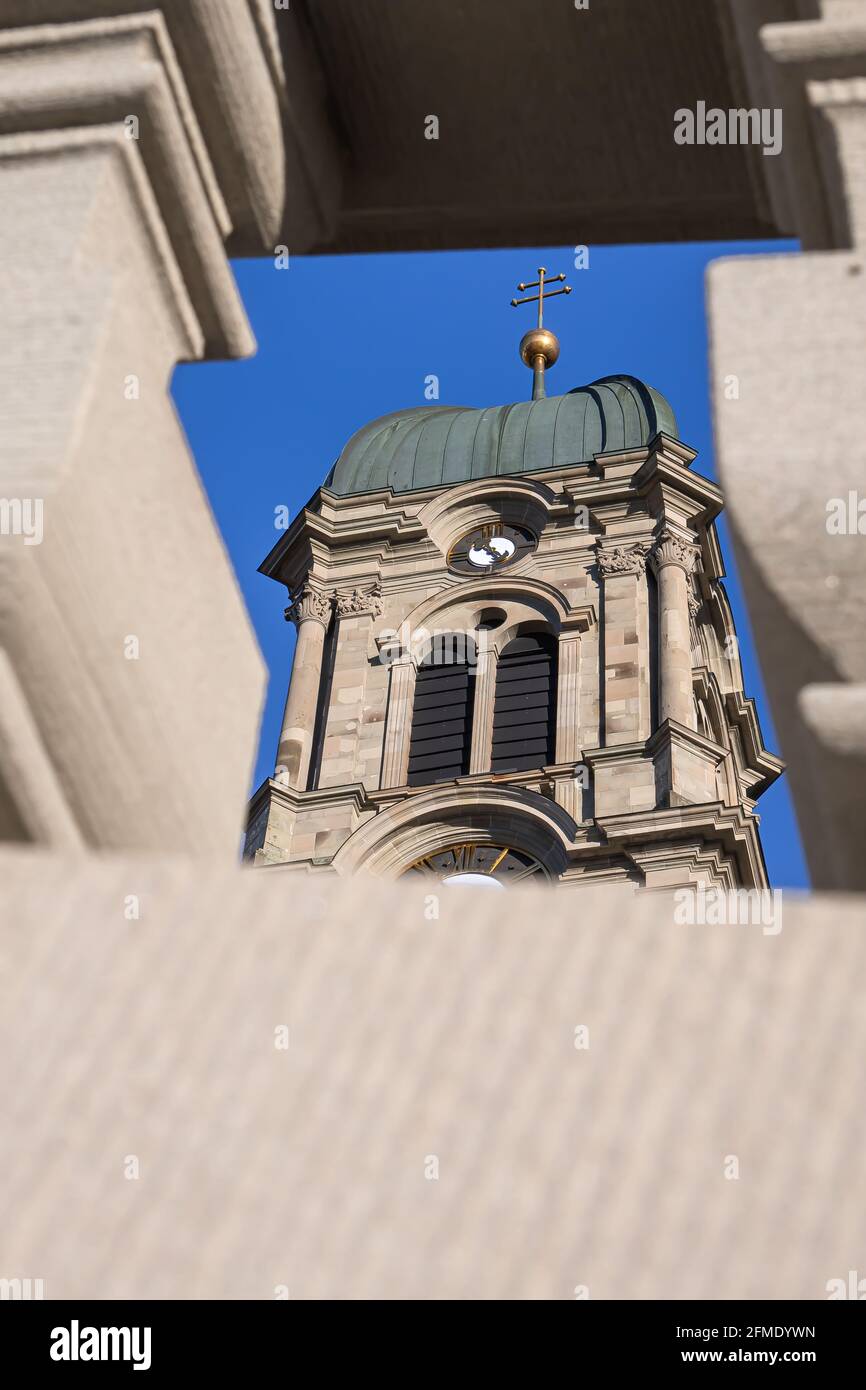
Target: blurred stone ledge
x: 143, y: 1001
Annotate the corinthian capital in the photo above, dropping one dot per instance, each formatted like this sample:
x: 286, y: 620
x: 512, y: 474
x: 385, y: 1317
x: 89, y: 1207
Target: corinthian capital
x: 671, y: 550
x: 358, y: 601
x: 621, y: 559
x: 309, y: 603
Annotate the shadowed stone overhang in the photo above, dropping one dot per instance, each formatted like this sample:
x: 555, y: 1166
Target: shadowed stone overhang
x: 432, y: 446
x: 543, y: 127
x: 316, y: 118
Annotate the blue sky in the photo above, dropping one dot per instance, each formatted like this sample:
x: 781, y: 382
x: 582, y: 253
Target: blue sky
x: 343, y: 339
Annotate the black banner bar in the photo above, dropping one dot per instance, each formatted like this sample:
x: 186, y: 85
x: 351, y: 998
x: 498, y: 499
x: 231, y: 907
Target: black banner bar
x: 159, y: 1339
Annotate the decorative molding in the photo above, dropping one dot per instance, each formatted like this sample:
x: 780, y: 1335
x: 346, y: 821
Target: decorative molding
x: 81, y: 80
x: 435, y: 817
x: 402, y: 656
x: 537, y: 599
x: 309, y: 603
x: 356, y: 602
x: 51, y: 145
x: 508, y: 498
x: 672, y: 550
x: 390, y: 647
x: 695, y: 606
x: 622, y: 559
x: 579, y: 619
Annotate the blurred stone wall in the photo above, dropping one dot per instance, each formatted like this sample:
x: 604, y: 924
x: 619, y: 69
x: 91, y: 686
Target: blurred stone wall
x: 214, y: 1089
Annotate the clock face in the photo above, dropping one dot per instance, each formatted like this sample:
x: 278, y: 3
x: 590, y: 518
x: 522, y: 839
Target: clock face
x: 489, y: 548
x: 481, y: 864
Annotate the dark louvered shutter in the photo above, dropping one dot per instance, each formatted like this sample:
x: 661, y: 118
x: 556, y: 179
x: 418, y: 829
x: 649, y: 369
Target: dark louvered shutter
x: 442, y: 717
x: 525, y: 709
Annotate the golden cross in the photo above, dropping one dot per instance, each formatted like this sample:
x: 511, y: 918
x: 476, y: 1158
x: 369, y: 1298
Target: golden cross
x: 542, y: 295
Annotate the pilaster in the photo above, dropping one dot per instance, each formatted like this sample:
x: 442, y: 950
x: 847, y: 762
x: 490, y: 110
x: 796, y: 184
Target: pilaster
x: 357, y: 713
x: 567, y: 791
x: 398, y: 723
x: 622, y: 571
x: 483, y: 700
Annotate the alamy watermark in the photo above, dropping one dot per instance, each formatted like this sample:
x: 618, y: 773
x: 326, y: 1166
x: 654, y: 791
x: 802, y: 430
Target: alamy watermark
x: 735, y: 126
x: 22, y: 516
x: 21, y: 1290
x: 846, y: 516
x: 736, y: 907
x: 77, y: 1343
x: 853, y: 1288
x: 434, y: 646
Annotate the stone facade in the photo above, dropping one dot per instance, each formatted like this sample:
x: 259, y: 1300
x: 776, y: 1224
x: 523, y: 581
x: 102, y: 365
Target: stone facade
x: 658, y: 755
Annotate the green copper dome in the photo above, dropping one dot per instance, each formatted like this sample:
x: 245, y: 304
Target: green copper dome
x: 438, y: 445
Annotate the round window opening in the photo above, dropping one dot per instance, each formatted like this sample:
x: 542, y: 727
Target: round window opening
x: 490, y: 548
x: 491, y: 618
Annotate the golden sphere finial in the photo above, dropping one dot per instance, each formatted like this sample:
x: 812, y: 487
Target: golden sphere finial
x: 539, y: 342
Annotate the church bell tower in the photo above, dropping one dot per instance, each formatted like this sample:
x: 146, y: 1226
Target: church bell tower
x: 515, y: 656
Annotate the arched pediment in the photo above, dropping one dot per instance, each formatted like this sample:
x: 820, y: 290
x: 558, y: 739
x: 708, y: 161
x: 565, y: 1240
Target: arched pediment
x: 517, y: 501
x: 520, y: 605
x: 400, y: 835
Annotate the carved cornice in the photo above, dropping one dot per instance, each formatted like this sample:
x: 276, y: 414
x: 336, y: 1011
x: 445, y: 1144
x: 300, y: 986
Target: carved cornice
x: 622, y: 559
x: 309, y: 604
x: 354, y: 603
x: 65, y: 78
x: 392, y: 652
x: 578, y: 620
x: 671, y: 550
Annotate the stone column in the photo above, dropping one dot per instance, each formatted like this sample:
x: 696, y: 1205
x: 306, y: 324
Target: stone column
x: 483, y: 698
x: 356, y: 713
x: 626, y: 656
x: 398, y: 726
x: 673, y: 561
x: 310, y: 611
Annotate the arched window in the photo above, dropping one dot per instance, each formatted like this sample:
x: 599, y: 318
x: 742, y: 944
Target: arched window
x: 524, y: 714
x: 442, y: 713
